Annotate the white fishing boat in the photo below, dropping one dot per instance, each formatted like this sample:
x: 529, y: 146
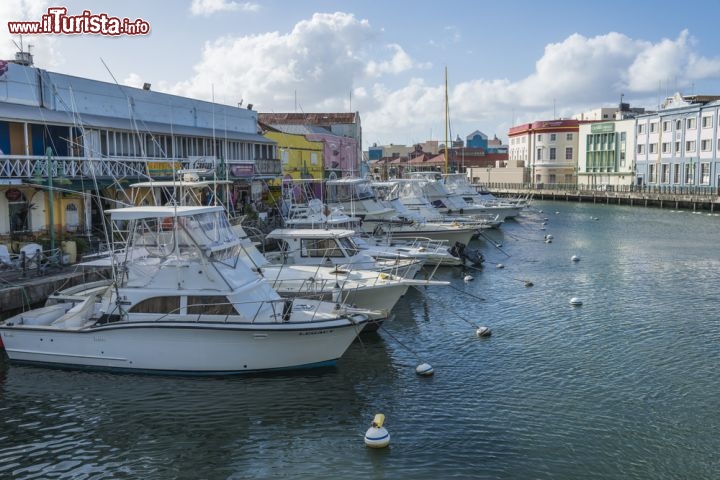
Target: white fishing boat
x: 181, y: 302
x: 450, y: 203
x: 334, y: 247
x: 292, y: 273
x: 459, y: 184
x: 355, y: 198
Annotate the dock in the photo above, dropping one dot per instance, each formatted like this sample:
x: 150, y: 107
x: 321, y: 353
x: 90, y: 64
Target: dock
x: 22, y: 290
x: 661, y: 198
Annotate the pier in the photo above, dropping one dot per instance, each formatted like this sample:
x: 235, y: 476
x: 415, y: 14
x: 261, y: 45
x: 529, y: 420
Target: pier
x: 696, y: 199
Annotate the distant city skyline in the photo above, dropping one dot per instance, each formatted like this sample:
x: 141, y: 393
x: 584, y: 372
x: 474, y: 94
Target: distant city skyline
x: 507, y: 63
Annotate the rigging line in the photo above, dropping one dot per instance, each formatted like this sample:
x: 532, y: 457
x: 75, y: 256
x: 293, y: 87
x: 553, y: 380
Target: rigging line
x: 382, y: 326
x: 454, y: 312
x: 467, y: 293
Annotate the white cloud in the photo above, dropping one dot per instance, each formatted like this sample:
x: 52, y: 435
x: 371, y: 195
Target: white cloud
x: 335, y: 61
x: 319, y: 63
x: 41, y: 46
x: 208, y: 7
x: 133, y: 80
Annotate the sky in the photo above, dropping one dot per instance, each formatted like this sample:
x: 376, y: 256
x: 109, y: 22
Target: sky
x: 507, y: 63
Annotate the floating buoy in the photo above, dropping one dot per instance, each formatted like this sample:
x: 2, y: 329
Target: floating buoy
x: 528, y: 283
x: 549, y: 237
x: 469, y: 278
x: 556, y: 212
x: 548, y: 240
x: 540, y: 211
x: 500, y: 265
x: 575, y: 258
x: 483, y: 332
x: 424, y: 370
x: 498, y: 245
x: 575, y: 301
x: 542, y: 228
x: 377, y: 436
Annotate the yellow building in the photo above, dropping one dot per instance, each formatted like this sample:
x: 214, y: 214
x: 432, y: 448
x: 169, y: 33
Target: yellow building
x: 300, y: 158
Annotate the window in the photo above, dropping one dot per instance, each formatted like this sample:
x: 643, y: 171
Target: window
x: 552, y: 155
x: 704, y: 174
x: 552, y: 178
x: 678, y: 124
x: 705, y: 145
x: 539, y: 154
x: 539, y: 137
x: 568, y: 153
x: 666, y: 126
x: 651, y: 172
x: 569, y: 137
x: 641, y: 129
x: 323, y: 247
x: 284, y: 156
x: 641, y: 149
x: 677, y: 147
x: 653, y: 127
x: 666, y: 147
x: 690, y: 146
x: 676, y: 173
x: 622, y: 136
x: 665, y: 173
x: 552, y: 137
x: 690, y: 173
x: 653, y: 148
x: 313, y: 159
x: 707, y: 121
x: 690, y: 123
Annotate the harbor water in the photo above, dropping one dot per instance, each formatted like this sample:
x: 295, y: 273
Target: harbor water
x: 624, y: 386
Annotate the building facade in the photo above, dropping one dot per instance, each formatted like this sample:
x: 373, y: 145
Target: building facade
x: 677, y: 147
x: 606, y: 157
x: 548, y: 149
x: 65, y: 141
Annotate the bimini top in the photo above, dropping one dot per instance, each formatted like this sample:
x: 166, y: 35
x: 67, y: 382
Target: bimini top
x: 136, y: 213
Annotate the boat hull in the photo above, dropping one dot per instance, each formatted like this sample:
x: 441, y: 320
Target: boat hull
x: 185, y: 348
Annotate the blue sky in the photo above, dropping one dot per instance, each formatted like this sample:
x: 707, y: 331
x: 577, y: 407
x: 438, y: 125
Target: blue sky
x: 508, y: 62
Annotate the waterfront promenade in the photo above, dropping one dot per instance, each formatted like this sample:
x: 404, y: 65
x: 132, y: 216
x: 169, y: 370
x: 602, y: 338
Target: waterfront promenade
x: 692, y: 198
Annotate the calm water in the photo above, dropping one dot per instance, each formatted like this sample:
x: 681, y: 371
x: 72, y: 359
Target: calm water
x: 627, y: 386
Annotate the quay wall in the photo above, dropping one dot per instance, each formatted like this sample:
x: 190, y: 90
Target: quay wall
x: 19, y: 293
x: 691, y: 201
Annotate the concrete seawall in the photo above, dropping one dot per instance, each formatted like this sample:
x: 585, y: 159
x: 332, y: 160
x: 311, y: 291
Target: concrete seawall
x: 18, y: 293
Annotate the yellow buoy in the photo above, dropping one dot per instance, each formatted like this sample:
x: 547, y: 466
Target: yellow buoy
x: 377, y: 436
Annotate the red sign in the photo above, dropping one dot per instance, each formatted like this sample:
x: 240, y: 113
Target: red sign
x: 13, y: 194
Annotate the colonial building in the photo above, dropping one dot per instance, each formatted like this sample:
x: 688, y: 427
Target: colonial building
x: 67, y: 141
x: 340, y: 132
x: 549, y: 149
x: 606, y: 154
x: 678, y: 145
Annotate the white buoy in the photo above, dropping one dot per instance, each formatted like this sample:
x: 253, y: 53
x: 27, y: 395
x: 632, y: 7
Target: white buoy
x: 549, y: 237
x: 424, y: 370
x: 575, y: 301
x: 483, y: 332
x: 556, y: 212
x: 548, y: 240
x: 377, y: 436
x: 575, y: 258
x: 528, y: 283
x: 469, y: 278
x: 500, y: 265
x: 498, y: 245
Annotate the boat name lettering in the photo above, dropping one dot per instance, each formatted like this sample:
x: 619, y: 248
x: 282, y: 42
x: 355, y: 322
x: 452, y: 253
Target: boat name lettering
x: 316, y: 332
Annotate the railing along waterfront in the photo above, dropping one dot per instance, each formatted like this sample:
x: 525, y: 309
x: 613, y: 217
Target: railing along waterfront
x: 698, y: 197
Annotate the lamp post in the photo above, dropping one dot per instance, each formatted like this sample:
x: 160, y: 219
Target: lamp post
x: 51, y: 200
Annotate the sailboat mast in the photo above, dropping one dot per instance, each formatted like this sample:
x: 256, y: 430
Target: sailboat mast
x: 447, y: 123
